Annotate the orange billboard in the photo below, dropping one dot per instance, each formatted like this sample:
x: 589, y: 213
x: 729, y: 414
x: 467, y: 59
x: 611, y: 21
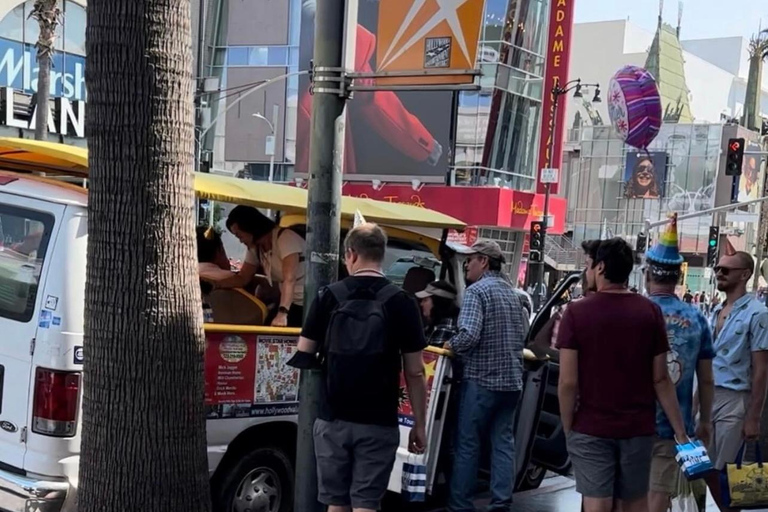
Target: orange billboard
x: 428, y: 36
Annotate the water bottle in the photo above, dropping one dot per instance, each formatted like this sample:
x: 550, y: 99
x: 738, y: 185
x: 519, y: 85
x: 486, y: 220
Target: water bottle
x: 207, y: 313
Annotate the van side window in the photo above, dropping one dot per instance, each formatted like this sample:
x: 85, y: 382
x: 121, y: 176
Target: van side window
x: 24, y: 237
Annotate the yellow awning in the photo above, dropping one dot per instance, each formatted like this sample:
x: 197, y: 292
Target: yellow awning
x: 288, y: 199
x: 33, y: 155
x: 30, y: 155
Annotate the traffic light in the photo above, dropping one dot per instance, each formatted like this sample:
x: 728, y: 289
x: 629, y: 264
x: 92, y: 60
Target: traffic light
x: 538, y: 231
x: 642, y: 243
x: 713, y: 245
x: 735, y: 157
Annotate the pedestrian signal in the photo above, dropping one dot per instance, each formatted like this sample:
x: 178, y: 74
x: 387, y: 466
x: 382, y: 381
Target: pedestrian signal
x: 735, y: 157
x: 642, y: 242
x: 537, y: 235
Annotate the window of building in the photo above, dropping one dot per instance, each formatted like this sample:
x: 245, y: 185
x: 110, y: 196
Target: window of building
x: 24, y: 236
x: 238, y: 56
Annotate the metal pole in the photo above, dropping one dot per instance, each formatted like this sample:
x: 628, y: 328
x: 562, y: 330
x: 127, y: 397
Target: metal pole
x: 272, y: 167
x: 540, y: 295
x: 323, y: 223
x: 733, y: 206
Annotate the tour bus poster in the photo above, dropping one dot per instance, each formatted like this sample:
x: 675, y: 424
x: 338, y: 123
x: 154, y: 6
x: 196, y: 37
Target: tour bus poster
x: 246, y: 376
x: 405, y: 413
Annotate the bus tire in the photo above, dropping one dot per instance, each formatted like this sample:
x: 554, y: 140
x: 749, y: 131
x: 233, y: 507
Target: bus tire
x: 261, y: 481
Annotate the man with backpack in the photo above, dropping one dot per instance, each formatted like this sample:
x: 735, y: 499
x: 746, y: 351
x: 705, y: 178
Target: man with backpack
x: 365, y: 329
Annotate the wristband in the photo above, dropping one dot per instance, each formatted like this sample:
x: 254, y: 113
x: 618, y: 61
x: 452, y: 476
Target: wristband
x: 283, y: 309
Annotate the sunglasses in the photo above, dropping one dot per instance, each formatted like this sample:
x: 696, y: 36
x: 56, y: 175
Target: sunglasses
x: 725, y: 270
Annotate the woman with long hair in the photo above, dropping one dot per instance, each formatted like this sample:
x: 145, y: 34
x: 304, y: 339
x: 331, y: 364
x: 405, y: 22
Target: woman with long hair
x: 279, y: 252
x: 440, y: 312
x: 642, y: 184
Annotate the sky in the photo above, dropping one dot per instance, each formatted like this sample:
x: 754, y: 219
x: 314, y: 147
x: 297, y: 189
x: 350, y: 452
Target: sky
x: 701, y: 18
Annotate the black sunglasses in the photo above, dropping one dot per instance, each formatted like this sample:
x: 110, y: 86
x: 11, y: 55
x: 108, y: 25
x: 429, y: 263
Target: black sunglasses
x: 725, y: 270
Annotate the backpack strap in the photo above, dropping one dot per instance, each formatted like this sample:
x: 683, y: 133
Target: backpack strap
x: 387, y: 292
x: 340, y: 292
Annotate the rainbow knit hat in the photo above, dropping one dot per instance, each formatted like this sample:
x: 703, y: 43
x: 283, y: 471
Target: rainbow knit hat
x: 666, y: 252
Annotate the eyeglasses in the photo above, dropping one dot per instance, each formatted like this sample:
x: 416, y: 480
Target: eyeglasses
x: 725, y: 270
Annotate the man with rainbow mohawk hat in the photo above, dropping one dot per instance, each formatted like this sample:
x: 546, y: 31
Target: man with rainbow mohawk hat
x: 690, y: 355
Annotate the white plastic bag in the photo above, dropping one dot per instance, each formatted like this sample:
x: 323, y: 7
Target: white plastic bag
x: 684, y: 499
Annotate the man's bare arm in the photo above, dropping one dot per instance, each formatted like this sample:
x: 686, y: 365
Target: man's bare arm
x: 415, y: 380
x: 568, y: 386
x: 757, y: 395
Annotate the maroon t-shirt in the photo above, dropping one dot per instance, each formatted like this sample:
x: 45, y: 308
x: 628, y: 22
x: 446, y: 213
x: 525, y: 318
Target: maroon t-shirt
x: 617, y: 336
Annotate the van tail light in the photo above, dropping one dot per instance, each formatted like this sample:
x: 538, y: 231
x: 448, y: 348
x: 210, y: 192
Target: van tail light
x: 56, y: 401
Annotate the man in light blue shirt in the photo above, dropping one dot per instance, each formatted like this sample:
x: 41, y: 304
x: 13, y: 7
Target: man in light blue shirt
x: 740, y: 326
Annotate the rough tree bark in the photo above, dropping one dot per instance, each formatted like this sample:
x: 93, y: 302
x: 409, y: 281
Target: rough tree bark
x: 47, y: 15
x: 143, y: 446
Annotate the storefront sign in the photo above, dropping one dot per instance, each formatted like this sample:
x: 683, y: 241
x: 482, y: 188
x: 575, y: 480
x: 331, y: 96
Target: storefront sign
x: 558, y: 60
x: 476, y: 206
x: 18, y: 70
x: 65, y: 118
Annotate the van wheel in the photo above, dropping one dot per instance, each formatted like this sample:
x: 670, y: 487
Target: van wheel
x: 532, y: 478
x: 261, y: 481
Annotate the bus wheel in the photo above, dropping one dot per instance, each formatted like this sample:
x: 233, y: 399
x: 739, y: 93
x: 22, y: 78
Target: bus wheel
x: 261, y: 481
x: 532, y: 478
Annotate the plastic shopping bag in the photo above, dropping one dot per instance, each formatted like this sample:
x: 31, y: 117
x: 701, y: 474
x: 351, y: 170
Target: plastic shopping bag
x: 414, y: 482
x: 684, y: 499
x: 745, y: 486
x: 693, y: 459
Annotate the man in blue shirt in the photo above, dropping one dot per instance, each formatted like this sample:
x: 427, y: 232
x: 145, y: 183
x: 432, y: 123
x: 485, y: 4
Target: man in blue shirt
x: 691, y: 354
x: 489, y: 344
x: 740, y: 326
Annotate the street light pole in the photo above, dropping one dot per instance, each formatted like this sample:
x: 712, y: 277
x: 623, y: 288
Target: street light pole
x: 270, y: 148
x: 540, y: 294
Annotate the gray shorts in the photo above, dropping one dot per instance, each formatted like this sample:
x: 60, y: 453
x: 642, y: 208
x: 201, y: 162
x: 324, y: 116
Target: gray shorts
x: 728, y: 411
x: 611, y: 468
x: 354, y: 462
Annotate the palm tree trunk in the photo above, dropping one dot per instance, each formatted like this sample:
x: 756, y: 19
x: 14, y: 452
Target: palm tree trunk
x: 43, y: 96
x: 143, y: 443
x: 47, y: 15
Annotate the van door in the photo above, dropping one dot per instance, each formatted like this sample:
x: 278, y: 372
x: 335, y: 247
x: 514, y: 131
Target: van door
x: 549, y: 448
x: 26, y: 236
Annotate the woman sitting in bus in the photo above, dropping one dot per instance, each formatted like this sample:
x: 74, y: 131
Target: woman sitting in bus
x: 440, y: 312
x: 280, y: 252
x: 234, y: 307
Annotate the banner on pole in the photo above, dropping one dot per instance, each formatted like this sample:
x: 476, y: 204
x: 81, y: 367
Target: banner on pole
x: 429, y: 37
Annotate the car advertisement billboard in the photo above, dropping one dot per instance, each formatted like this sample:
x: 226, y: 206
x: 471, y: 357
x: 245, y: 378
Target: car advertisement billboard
x: 403, y: 133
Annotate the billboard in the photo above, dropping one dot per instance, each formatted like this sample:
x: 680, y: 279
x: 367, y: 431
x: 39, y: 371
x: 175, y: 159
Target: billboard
x: 388, y: 133
x: 419, y: 35
x: 645, y: 175
x: 558, y: 60
x: 751, y: 172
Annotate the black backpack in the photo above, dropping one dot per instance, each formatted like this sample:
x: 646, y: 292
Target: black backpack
x: 356, y: 346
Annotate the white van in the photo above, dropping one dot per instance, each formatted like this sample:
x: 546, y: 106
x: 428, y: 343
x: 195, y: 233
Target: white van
x: 251, y: 425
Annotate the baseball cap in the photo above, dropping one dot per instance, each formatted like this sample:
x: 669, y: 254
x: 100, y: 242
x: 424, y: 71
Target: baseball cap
x: 485, y: 247
x: 437, y: 289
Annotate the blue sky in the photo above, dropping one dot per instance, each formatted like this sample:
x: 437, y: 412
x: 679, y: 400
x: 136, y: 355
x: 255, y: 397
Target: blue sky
x: 701, y: 18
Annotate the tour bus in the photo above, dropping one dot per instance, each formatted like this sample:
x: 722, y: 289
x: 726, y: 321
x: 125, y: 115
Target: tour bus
x: 251, y: 396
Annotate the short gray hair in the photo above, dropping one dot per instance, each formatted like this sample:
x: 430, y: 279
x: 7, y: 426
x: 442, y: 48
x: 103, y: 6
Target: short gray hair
x: 367, y: 241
